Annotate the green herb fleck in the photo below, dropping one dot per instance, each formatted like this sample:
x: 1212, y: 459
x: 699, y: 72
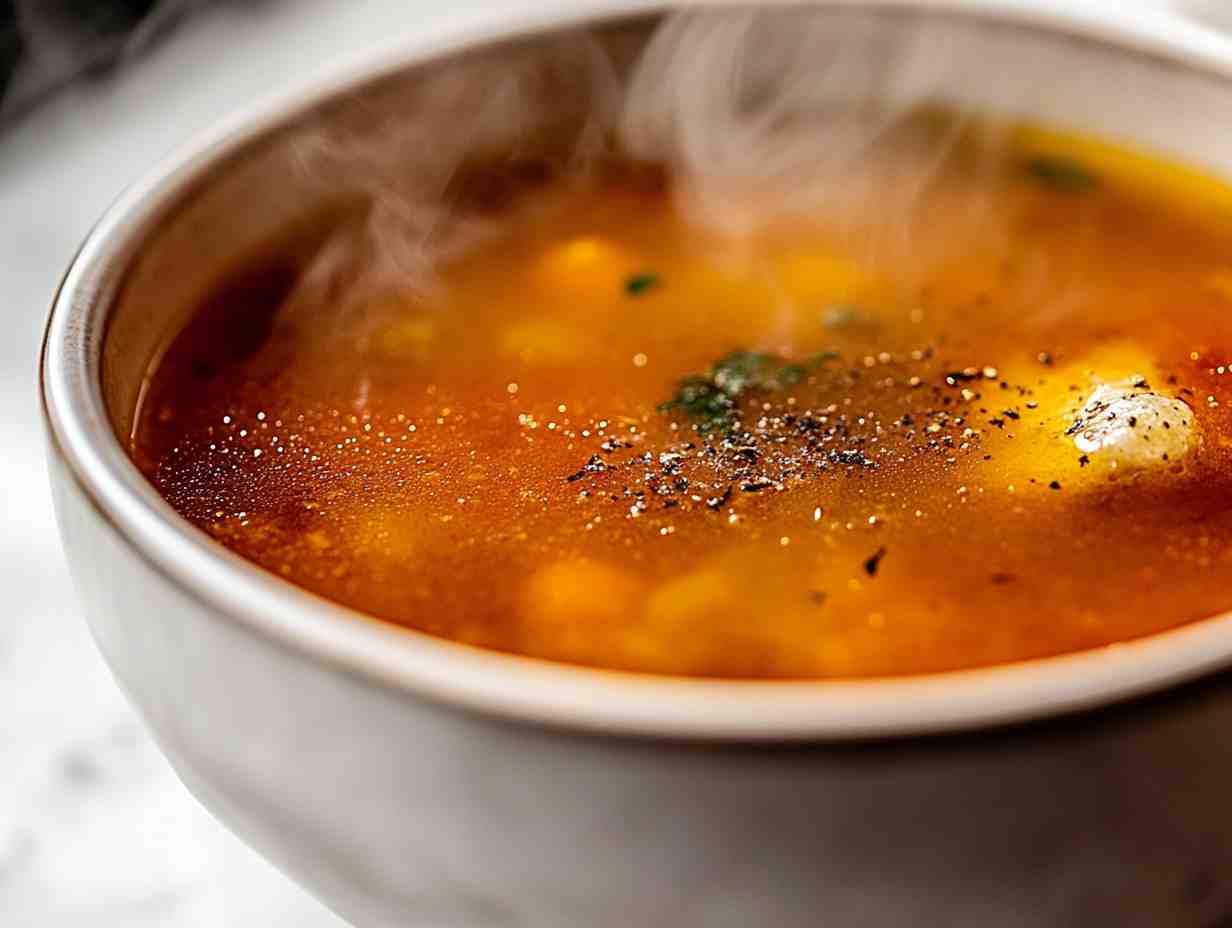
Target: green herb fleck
x: 1060, y: 173
x: 710, y: 408
x: 711, y: 399
x: 736, y: 372
x: 637, y: 284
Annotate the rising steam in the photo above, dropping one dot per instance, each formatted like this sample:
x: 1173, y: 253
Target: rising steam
x: 751, y: 115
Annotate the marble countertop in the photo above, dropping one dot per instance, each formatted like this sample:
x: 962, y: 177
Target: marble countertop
x: 95, y: 830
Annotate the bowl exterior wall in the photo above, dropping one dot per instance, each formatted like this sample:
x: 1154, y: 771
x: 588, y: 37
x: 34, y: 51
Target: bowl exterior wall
x: 398, y: 811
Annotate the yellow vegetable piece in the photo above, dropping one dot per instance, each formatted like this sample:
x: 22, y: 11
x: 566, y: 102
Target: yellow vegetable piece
x: 580, y: 590
x: 589, y: 266
x: 694, y: 596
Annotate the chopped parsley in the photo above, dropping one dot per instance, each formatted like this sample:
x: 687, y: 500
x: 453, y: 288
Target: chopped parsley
x: 1060, y: 173
x: 711, y: 400
x: 637, y: 284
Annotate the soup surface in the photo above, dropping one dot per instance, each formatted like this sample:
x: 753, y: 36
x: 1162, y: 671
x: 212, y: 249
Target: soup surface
x: 993, y: 430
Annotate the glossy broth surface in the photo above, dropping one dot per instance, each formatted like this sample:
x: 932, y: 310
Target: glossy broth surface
x: 612, y: 437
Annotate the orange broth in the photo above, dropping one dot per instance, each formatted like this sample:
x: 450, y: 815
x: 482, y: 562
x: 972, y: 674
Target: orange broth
x: 869, y: 473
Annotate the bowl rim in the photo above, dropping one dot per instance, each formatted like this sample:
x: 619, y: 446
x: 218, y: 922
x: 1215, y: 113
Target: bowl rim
x: 528, y: 689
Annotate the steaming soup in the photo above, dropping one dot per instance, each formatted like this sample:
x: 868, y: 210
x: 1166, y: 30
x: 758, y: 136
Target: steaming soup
x: 613, y: 435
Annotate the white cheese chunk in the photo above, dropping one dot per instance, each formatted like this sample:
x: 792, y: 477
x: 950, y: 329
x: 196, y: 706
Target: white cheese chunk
x: 1132, y: 427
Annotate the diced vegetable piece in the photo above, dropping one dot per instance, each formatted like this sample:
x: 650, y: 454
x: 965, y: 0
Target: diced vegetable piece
x: 589, y: 266
x: 579, y: 590
x: 688, y: 598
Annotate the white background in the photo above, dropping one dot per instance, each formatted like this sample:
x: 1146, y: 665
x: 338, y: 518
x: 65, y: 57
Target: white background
x: 94, y: 828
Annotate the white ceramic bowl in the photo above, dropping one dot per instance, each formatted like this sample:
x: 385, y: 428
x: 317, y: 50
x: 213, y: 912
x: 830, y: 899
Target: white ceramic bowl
x: 410, y: 781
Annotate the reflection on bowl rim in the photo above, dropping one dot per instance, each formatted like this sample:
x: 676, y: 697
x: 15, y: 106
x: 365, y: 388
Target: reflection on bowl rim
x: 529, y: 689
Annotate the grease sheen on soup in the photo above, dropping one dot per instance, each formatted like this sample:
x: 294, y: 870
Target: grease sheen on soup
x: 606, y: 436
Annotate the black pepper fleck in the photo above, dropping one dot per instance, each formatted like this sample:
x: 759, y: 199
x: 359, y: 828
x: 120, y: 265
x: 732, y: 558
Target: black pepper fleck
x: 871, y: 565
